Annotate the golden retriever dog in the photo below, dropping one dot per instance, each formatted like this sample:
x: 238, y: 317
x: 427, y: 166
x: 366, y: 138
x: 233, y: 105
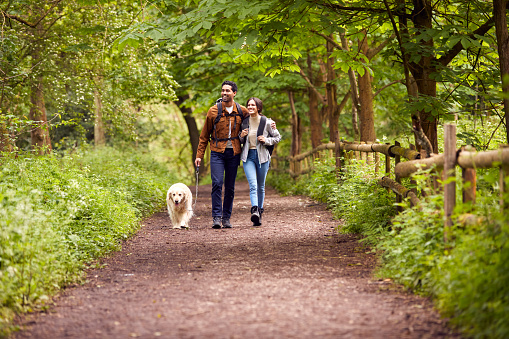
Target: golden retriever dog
x: 179, y: 201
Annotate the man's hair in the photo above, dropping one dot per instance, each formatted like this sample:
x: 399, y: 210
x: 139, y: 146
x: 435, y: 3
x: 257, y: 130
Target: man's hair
x: 258, y: 104
x: 231, y: 83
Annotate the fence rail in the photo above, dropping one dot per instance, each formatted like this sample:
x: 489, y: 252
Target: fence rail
x: 444, y: 164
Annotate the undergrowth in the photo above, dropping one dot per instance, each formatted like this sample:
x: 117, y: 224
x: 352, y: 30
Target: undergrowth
x: 58, y: 214
x: 467, y: 276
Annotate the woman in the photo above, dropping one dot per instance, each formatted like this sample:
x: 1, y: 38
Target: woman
x: 259, y: 133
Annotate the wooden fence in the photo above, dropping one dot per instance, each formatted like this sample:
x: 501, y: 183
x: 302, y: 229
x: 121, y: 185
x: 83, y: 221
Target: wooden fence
x: 444, y: 164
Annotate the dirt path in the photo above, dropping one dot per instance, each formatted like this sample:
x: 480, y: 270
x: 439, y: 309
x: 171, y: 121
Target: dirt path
x: 293, y: 277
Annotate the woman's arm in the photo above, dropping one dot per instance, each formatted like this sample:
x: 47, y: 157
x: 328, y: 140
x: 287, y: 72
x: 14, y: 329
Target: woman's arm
x: 273, y: 137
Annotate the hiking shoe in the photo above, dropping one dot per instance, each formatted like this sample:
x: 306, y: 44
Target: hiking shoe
x: 255, y: 216
x: 216, y: 222
x: 226, y: 223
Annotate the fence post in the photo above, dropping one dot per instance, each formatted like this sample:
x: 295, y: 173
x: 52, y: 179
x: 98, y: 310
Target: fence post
x: 449, y: 173
x: 412, y: 181
x: 397, y: 159
x: 469, y: 177
x: 387, y: 163
x: 377, y: 162
x: 424, y: 155
x: 504, y: 171
x: 388, y: 167
x: 368, y: 154
x: 338, y: 154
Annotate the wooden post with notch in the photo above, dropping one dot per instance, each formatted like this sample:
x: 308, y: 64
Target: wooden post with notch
x: 377, y: 162
x: 469, y: 178
x: 338, y: 154
x: 412, y: 181
x: 388, y: 166
x: 397, y: 159
x: 424, y: 155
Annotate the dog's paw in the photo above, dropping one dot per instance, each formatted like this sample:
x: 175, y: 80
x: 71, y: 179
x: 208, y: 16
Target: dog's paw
x: 176, y: 227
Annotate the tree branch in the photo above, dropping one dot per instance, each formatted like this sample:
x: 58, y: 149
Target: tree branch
x: 374, y: 51
x: 320, y: 96
x: 389, y: 84
x: 446, y: 59
x: 26, y: 23
x: 328, y: 38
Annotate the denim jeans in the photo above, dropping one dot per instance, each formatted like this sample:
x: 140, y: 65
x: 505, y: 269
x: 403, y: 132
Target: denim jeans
x: 256, y: 174
x: 223, y: 169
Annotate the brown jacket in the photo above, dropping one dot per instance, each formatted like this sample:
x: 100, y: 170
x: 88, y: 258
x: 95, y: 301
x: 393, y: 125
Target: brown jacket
x: 208, y: 135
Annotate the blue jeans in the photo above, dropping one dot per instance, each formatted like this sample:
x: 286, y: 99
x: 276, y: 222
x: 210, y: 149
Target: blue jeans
x: 256, y: 174
x: 223, y: 169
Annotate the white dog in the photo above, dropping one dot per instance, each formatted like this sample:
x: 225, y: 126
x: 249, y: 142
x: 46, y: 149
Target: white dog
x: 179, y: 201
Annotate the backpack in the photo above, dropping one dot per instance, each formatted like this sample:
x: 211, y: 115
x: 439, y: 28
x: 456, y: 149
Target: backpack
x: 219, y: 104
x: 259, y: 131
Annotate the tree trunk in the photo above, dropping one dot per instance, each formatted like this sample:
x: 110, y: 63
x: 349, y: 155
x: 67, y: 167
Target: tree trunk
x: 5, y: 140
x: 296, y: 139
x: 40, y: 138
x: 421, y: 71
x: 500, y: 15
x: 330, y: 87
x: 366, y: 113
x: 99, y: 136
x: 315, y: 119
x: 355, y: 92
x: 192, y: 127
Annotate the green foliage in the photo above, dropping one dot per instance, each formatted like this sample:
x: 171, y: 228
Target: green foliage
x: 467, y: 276
x: 411, y: 249
x: 34, y: 260
x: 57, y: 214
x: 475, y: 292
x: 365, y: 207
x: 285, y: 185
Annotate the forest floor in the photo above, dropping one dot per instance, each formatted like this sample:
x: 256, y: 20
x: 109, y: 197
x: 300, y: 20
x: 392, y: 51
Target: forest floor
x: 292, y: 277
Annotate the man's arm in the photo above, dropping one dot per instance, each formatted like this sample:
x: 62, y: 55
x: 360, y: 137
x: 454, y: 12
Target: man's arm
x: 205, y: 134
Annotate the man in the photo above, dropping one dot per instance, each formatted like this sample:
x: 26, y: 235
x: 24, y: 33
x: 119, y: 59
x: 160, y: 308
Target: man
x: 225, y: 152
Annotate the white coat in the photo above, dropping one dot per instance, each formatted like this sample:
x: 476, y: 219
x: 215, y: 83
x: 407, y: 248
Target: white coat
x: 272, y: 137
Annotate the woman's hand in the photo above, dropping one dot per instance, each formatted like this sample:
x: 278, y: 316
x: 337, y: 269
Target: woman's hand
x: 244, y: 133
x: 261, y: 139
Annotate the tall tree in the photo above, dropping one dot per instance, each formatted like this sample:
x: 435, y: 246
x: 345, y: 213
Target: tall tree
x: 434, y: 38
x: 500, y: 16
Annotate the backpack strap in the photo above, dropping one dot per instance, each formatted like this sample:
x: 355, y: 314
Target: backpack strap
x: 219, y: 105
x: 261, y: 126
x: 218, y: 117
